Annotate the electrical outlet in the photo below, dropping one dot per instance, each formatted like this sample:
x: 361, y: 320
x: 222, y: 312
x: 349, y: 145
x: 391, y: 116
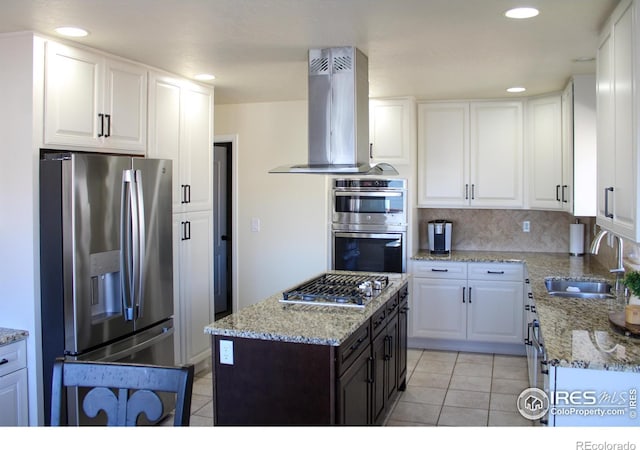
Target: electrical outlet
x: 526, y: 226
x: 226, y: 352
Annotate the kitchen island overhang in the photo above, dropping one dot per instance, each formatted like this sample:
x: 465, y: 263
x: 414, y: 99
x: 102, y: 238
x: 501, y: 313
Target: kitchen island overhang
x: 289, y: 364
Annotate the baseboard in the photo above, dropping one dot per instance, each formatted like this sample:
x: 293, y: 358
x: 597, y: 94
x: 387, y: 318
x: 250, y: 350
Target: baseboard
x: 467, y: 346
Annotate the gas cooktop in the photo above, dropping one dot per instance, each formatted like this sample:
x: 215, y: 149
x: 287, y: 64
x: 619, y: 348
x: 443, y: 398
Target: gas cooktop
x: 330, y: 289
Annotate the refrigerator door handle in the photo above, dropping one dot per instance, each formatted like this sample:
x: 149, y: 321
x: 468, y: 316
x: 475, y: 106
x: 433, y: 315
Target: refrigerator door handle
x: 140, y: 243
x: 128, y: 253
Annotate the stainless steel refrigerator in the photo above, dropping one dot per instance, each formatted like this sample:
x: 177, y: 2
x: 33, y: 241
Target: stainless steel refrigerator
x: 106, y: 263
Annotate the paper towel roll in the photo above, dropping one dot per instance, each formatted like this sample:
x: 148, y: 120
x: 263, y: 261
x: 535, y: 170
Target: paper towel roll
x: 576, y: 239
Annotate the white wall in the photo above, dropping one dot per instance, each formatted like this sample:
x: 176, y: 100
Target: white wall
x: 19, y: 218
x: 292, y: 244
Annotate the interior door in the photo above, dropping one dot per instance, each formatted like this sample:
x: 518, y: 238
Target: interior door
x: 221, y: 227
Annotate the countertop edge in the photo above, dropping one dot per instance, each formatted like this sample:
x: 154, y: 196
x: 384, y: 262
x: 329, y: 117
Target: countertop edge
x: 10, y: 335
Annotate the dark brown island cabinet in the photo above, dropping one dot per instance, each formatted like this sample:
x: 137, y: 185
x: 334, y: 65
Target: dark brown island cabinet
x: 284, y: 383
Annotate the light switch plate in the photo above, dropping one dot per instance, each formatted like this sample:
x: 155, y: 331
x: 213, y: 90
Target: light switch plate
x: 226, y: 352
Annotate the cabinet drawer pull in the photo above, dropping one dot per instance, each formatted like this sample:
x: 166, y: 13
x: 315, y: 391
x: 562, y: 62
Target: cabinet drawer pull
x: 358, y: 343
x: 3, y: 361
x: 439, y: 270
x: 557, y: 192
x: 464, y: 289
x: 466, y: 192
x: 496, y: 272
x: 473, y: 192
x: 564, y: 198
x: 469, y: 295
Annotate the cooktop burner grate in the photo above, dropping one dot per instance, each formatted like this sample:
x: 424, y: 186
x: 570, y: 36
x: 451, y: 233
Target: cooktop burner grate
x: 337, y: 290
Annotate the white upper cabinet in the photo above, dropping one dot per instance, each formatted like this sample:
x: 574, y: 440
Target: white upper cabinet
x: 496, y: 154
x: 443, y: 154
x: 392, y: 130
x: 94, y: 102
x: 470, y: 154
x: 181, y: 129
x: 579, y: 145
x: 618, y: 123
x: 547, y: 187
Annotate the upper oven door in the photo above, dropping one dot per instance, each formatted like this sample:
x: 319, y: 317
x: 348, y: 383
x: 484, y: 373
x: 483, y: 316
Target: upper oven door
x: 369, y: 207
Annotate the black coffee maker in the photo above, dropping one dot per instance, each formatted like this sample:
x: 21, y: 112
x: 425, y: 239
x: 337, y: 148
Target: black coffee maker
x: 440, y: 237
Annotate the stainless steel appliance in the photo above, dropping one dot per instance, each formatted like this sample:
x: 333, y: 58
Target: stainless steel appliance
x: 370, y: 201
x: 106, y: 263
x: 369, y: 224
x: 345, y: 290
x: 439, y: 236
x: 338, y: 115
x: 536, y: 354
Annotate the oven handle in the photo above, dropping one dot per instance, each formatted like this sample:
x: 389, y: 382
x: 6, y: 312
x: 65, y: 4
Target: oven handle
x: 367, y: 194
x: 368, y: 235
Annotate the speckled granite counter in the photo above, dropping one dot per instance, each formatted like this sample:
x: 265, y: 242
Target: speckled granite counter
x: 570, y: 326
x: 9, y: 335
x: 307, y: 324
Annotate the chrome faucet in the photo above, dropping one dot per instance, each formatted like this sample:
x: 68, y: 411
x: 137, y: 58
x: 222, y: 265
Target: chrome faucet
x: 619, y: 271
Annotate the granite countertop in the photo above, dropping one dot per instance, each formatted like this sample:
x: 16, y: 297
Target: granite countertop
x: 307, y: 324
x: 9, y: 335
x: 576, y: 332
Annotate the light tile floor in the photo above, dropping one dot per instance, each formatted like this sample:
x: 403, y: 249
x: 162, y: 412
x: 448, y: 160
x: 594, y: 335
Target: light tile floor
x: 443, y: 389
x: 461, y: 389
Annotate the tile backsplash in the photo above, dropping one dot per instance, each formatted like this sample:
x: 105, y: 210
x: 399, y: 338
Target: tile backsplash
x: 501, y: 229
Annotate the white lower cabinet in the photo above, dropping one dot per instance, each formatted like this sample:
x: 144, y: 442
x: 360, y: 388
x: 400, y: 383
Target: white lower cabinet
x: 480, y: 302
x: 14, y: 406
x: 193, y: 285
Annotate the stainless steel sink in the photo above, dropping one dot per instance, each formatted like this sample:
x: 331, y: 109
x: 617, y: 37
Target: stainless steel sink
x: 578, y: 288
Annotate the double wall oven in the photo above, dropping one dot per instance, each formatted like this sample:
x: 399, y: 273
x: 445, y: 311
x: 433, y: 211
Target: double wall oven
x: 369, y: 224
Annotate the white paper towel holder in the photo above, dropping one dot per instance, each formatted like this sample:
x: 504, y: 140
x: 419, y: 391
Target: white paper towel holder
x: 576, y: 239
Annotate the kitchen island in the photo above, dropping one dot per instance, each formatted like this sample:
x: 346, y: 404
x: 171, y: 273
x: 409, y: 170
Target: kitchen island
x: 285, y: 364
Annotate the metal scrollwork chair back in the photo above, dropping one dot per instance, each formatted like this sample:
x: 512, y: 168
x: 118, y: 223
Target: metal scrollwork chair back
x: 123, y: 390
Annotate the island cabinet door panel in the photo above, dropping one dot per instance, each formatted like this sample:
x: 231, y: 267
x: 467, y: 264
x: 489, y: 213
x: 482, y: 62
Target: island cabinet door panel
x: 273, y: 383
x: 355, y: 396
x: 380, y: 375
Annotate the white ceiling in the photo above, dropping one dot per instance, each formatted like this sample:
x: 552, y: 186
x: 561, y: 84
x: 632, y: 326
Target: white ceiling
x: 432, y: 49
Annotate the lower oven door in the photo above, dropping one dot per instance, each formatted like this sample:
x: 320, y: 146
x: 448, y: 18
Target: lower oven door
x: 369, y: 251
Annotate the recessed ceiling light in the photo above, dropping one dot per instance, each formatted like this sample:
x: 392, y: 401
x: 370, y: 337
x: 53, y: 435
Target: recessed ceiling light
x: 72, y: 31
x: 516, y: 89
x: 584, y: 59
x: 204, y: 77
x: 522, y: 13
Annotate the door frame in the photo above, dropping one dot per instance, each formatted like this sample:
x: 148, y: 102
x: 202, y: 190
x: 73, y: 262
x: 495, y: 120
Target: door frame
x: 233, y: 186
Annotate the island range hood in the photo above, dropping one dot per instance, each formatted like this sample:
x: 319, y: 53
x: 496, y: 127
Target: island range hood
x: 338, y: 115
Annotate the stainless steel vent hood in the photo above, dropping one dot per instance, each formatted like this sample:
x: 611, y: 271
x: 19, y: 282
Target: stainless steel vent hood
x: 338, y: 115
